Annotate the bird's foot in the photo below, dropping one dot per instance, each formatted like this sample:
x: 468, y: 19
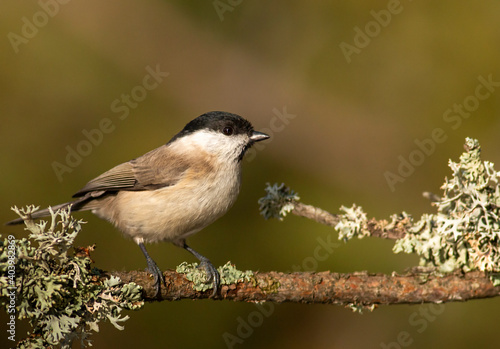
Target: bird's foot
x: 157, y: 275
x: 212, y: 273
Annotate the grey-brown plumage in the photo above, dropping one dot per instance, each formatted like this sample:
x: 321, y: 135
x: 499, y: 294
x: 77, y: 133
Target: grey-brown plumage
x: 175, y: 190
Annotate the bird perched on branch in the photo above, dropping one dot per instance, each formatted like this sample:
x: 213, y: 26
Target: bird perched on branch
x: 173, y: 191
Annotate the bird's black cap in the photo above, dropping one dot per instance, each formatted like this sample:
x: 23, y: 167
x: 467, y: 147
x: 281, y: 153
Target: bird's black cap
x: 216, y: 121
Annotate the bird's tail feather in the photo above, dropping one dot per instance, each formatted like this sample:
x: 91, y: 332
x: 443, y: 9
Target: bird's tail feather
x: 76, y: 205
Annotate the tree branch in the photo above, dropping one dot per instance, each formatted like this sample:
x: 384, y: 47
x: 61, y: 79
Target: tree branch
x: 376, y: 228
x: 328, y: 288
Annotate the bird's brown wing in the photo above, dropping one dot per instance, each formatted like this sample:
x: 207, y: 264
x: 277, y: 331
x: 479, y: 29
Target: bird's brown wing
x: 153, y: 170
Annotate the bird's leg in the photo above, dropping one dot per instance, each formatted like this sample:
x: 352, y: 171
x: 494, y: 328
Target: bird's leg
x: 153, y: 269
x: 209, y: 268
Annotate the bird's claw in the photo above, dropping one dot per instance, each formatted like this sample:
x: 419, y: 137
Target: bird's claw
x: 154, y: 270
x: 213, y: 275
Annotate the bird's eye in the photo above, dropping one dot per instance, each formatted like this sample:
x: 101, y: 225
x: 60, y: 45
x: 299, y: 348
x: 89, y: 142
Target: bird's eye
x: 228, y: 130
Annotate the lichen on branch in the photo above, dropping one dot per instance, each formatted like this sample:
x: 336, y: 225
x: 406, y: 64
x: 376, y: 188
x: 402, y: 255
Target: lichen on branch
x: 464, y: 233
x: 55, y: 287
x: 201, y: 282
x: 279, y: 201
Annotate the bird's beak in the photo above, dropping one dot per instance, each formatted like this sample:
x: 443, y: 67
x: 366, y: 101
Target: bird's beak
x: 258, y: 136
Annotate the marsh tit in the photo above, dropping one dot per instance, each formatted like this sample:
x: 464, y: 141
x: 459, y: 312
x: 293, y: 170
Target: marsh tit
x: 173, y: 191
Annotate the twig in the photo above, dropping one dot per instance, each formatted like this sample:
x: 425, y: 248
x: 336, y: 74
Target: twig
x: 376, y: 228
x: 316, y: 214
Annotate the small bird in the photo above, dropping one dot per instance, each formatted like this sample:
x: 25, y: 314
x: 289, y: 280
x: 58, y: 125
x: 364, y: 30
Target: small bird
x: 173, y: 191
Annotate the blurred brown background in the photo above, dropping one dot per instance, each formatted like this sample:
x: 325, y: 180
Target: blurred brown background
x: 357, y: 115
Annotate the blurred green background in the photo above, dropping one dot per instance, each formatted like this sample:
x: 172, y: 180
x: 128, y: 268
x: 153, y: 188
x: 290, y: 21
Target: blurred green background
x: 356, y: 115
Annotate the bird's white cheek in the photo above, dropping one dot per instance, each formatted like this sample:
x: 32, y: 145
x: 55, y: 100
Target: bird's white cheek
x: 226, y: 148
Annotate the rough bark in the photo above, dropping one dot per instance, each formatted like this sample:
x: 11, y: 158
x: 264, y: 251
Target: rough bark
x: 329, y: 288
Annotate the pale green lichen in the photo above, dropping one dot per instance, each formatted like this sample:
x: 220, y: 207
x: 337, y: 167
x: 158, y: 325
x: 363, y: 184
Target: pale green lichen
x: 198, y: 276
x: 465, y: 231
x: 352, y: 223
x: 279, y: 201
x: 57, y: 291
x: 360, y: 308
